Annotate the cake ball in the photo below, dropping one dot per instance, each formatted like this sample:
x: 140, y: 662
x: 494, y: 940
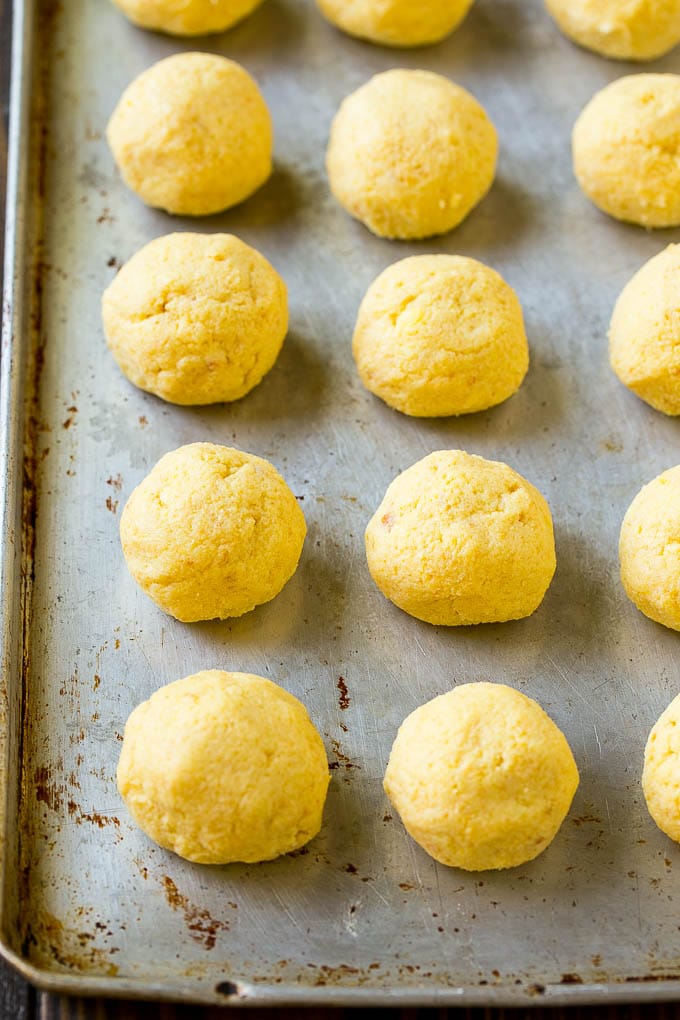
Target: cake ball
x: 440, y: 335
x: 649, y: 549
x: 481, y: 777
x: 626, y: 147
x: 211, y: 532
x: 644, y: 336
x: 187, y: 17
x: 196, y: 318
x: 396, y: 22
x: 223, y: 767
x: 621, y: 29
x: 192, y: 135
x: 459, y: 540
x: 661, y: 775
x: 410, y: 154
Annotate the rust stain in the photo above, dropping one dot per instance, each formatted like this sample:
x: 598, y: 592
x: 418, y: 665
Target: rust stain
x: 571, y: 979
x: 71, y: 420
x: 202, y: 927
x: 114, y: 263
x: 47, y: 937
x: 116, y: 482
x: 97, y: 681
x: 341, y: 759
x: 106, y: 216
x: 47, y: 790
x: 112, y: 505
x: 344, y: 699
x: 143, y: 420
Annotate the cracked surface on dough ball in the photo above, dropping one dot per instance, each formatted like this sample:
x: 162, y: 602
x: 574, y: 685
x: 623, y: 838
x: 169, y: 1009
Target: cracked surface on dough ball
x: 224, y: 767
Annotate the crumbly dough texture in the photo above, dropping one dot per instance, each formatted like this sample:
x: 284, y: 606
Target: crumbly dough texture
x: 192, y: 134
x: 644, y: 336
x: 411, y: 154
x: 396, y: 22
x: 440, y: 335
x: 481, y: 777
x: 621, y: 29
x: 661, y: 774
x: 211, y: 532
x: 187, y: 17
x: 649, y: 549
x: 223, y: 767
x: 626, y: 147
x: 196, y: 318
x: 461, y: 540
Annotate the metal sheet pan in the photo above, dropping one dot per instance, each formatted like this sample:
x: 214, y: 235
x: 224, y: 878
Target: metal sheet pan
x: 362, y: 915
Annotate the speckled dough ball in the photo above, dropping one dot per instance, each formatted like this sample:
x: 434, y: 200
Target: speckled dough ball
x: 187, y: 17
x: 626, y: 147
x: 649, y: 549
x: 196, y: 318
x: 223, y: 767
x: 411, y: 154
x: 211, y: 532
x: 661, y: 775
x: 192, y: 135
x: 460, y: 540
x: 622, y: 29
x: 644, y: 337
x: 396, y: 22
x: 440, y: 335
x: 481, y: 777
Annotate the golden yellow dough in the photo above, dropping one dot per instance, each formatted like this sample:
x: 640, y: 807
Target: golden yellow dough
x: 196, y: 318
x: 439, y: 335
x: 223, y: 767
x: 192, y: 135
x: 621, y: 29
x: 644, y: 337
x: 410, y: 154
x: 626, y: 147
x: 396, y: 22
x: 661, y: 775
x: 459, y: 540
x: 481, y: 777
x: 187, y: 17
x: 211, y: 532
x: 649, y: 549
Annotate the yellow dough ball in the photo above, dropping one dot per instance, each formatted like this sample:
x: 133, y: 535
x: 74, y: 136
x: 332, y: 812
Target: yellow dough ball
x: 644, y: 337
x: 481, y: 777
x: 649, y: 549
x: 410, y: 154
x: 224, y: 767
x: 196, y: 318
x: 187, y: 17
x: 440, y: 335
x: 459, y: 540
x: 192, y: 135
x: 621, y: 29
x: 626, y: 147
x: 396, y: 22
x: 661, y: 775
x: 211, y: 532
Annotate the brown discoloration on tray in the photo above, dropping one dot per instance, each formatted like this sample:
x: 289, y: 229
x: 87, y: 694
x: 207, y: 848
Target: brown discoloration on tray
x: 344, y: 699
x: 112, y: 505
x: 202, y: 927
x: 48, y: 940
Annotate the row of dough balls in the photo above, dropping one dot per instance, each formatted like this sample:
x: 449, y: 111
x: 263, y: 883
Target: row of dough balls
x: 228, y: 767
x: 410, y: 152
x: 201, y: 318
x: 623, y: 31
x: 212, y: 532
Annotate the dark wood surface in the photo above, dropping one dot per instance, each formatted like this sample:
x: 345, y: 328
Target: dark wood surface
x: 19, y: 1001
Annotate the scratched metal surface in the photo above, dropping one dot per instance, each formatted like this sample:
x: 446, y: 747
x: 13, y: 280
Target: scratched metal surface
x: 363, y: 915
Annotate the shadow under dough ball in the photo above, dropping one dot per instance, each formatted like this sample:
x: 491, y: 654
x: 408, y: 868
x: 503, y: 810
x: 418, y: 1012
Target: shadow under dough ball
x: 192, y: 135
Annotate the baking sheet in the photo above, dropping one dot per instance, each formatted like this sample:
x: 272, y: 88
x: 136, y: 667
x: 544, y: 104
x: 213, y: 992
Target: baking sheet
x: 361, y: 915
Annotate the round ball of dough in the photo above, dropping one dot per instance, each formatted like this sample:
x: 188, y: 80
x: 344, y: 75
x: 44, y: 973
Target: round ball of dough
x: 396, y: 22
x: 622, y: 29
x: 439, y: 335
x: 626, y: 146
x: 644, y: 337
x: 211, y: 532
x: 223, y: 767
x: 192, y: 135
x: 661, y: 774
x: 410, y: 154
x: 481, y: 777
x: 649, y: 549
x: 196, y: 318
x: 187, y: 17
x: 459, y: 540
